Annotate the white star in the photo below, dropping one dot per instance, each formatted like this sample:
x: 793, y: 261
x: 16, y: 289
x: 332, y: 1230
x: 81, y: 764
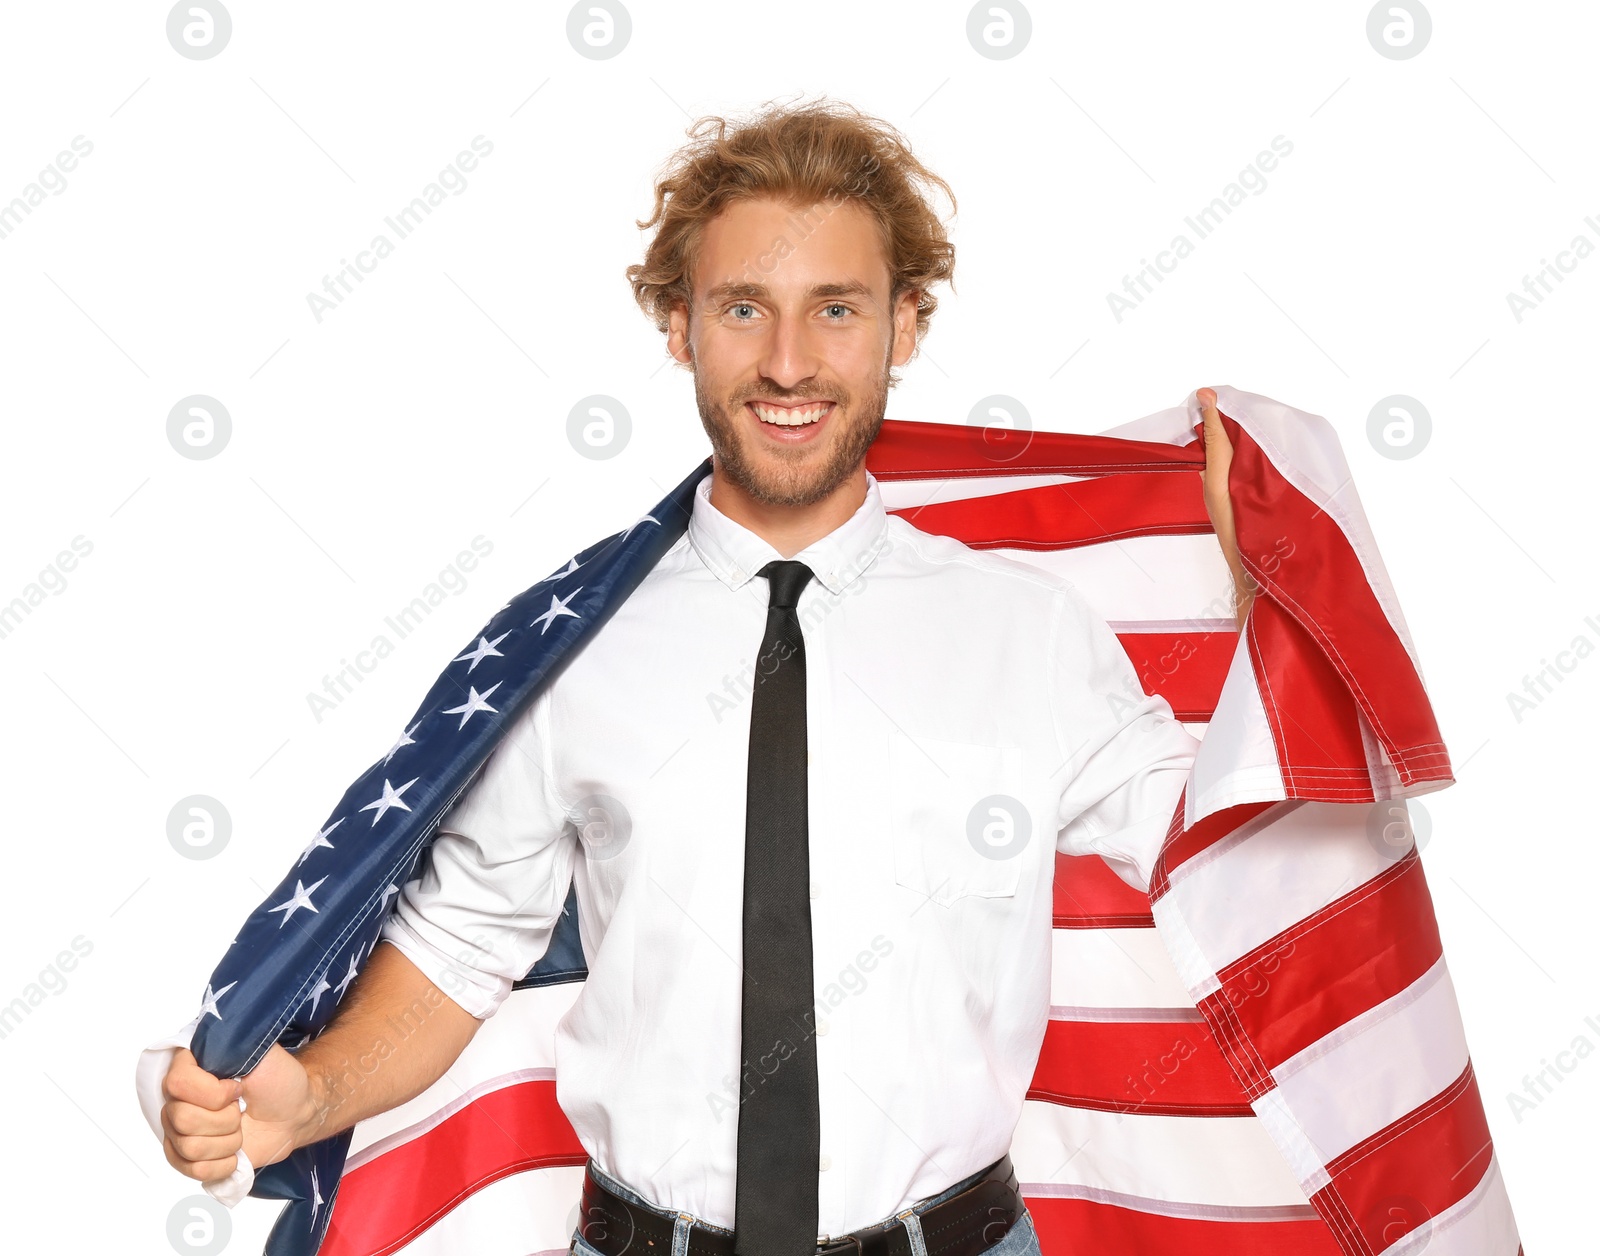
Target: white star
x: 322, y: 988
x: 482, y: 650
x: 390, y: 798
x: 475, y: 702
x: 558, y: 606
x: 404, y: 740
x: 316, y: 1197
x: 572, y: 565
x: 637, y: 522
x: 391, y: 888
x: 321, y: 839
x: 348, y: 977
x: 208, y: 1005
x: 302, y: 898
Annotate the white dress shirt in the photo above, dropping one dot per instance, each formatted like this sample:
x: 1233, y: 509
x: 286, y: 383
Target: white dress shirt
x: 959, y: 704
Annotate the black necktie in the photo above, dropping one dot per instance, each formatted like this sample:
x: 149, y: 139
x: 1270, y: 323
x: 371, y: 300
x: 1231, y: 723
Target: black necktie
x: 780, y: 1124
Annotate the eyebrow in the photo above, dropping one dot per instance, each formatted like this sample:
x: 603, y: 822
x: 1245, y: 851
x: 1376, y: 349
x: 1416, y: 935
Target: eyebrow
x: 730, y: 291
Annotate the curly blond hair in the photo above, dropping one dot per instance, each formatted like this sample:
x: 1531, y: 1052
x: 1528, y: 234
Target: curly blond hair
x: 802, y: 155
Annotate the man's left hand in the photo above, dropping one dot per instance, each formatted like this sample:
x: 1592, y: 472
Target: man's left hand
x: 1219, y: 457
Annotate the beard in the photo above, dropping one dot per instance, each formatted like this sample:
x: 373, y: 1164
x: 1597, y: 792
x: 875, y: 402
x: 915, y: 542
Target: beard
x: 794, y: 476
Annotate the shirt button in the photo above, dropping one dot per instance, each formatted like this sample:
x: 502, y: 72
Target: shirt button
x: 822, y: 1026
x: 825, y: 1163
x: 815, y: 889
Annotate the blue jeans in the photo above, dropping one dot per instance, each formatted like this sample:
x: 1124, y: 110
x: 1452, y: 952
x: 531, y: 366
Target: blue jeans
x: 1020, y: 1240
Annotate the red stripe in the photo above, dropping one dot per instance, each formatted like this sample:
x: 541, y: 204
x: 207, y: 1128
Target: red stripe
x: 1309, y: 708
x: 1183, y: 846
x: 1305, y: 564
x: 391, y: 1199
x: 1076, y: 1227
x: 1185, y: 668
x: 1087, y: 894
x: 1424, y: 1163
x: 906, y: 449
x: 1152, y: 1068
x: 1062, y: 516
x: 1364, y: 947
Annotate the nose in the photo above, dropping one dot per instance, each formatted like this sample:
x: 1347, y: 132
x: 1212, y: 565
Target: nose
x: 791, y: 353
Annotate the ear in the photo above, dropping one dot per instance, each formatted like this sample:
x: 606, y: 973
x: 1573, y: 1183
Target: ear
x: 905, y: 327
x: 679, y: 346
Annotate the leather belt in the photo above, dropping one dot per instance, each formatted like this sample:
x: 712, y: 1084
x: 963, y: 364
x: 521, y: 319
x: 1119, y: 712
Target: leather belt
x: 969, y: 1222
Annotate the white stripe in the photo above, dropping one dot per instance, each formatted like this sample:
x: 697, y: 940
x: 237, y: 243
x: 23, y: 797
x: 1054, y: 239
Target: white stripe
x: 1168, y: 1208
x: 1375, y: 1069
x: 1129, y: 1015
x: 534, y: 1212
x: 1113, y: 968
x: 1218, y: 1161
x: 1193, y: 971
x: 1301, y: 1157
x: 1238, y: 757
x: 517, y: 1041
x: 1142, y: 578
x: 1265, y: 877
x: 900, y: 494
x: 374, y: 1145
x: 1209, y: 624
x: 1481, y: 1224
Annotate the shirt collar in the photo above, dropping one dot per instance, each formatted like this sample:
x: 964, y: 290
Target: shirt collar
x: 735, y: 554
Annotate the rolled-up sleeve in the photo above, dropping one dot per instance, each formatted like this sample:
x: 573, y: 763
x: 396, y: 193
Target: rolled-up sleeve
x: 482, y: 909
x: 1125, y: 757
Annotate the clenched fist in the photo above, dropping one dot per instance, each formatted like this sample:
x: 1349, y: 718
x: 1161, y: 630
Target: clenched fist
x: 203, y: 1125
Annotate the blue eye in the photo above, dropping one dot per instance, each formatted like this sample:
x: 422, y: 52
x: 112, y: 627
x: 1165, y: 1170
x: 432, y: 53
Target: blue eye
x: 837, y: 306
x: 742, y: 305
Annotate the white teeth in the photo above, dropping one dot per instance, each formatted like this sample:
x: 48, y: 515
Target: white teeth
x: 789, y: 418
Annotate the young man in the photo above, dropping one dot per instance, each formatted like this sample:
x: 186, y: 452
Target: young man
x: 933, y: 693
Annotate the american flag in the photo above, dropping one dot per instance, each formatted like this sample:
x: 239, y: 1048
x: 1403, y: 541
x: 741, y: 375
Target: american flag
x: 1262, y: 1055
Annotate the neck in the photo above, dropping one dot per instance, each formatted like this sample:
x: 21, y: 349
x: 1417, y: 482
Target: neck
x: 788, y: 529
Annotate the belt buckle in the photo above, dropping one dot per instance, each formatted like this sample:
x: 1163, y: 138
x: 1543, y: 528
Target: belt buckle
x: 872, y: 1242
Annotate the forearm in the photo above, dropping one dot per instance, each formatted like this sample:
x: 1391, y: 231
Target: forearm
x: 1244, y: 592
x: 394, y: 1036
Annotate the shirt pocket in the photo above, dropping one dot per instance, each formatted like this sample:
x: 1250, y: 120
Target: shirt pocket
x: 959, y: 823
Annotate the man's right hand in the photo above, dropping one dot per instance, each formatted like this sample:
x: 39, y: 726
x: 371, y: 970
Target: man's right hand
x: 203, y: 1127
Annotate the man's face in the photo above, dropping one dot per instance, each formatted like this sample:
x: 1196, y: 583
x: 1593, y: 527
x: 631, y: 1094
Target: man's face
x: 790, y: 337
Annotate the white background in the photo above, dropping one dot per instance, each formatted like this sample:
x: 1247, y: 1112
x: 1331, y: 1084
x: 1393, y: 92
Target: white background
x: 430, y: 408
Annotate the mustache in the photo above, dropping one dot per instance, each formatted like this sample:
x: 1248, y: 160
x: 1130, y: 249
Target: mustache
x: 796, y: 399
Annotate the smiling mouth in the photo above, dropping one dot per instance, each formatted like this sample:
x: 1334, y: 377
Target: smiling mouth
x: 791, y: 416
